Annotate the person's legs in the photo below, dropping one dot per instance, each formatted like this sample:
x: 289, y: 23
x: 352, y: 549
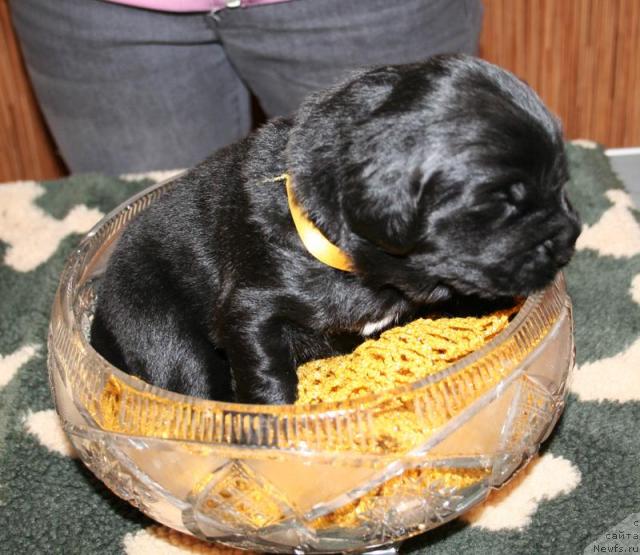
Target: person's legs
x: 284, y: 51
x: 127, y: 90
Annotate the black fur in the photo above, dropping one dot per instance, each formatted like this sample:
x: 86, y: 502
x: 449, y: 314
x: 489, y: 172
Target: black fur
x: 439, y: 179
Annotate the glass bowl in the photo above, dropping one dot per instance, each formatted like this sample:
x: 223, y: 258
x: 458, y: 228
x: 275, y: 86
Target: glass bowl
x: 307, y: 479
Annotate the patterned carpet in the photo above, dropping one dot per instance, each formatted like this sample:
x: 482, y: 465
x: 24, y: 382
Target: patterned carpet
x: 579, y: 495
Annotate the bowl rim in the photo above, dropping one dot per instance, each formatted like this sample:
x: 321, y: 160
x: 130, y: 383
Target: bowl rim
x: 75, y: 270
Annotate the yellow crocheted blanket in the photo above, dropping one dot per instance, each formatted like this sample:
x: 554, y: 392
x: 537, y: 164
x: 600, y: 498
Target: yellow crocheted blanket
x: 400, y: 355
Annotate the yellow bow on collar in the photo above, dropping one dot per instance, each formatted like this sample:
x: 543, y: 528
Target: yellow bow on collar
x: 312, y: 238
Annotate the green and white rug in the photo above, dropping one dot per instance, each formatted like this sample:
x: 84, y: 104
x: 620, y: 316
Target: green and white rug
x: 580, y: 495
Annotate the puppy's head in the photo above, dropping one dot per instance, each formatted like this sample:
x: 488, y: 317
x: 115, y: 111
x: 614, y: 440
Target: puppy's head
x: 440, y: 177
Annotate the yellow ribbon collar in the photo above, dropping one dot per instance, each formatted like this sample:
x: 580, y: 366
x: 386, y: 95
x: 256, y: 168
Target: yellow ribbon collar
x: 312, y: 238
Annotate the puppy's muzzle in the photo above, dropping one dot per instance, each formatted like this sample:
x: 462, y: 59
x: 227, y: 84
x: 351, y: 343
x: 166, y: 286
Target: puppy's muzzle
x: 559, y: 248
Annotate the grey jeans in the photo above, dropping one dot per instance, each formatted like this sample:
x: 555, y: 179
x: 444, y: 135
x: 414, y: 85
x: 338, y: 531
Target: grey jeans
x: 125, y: 89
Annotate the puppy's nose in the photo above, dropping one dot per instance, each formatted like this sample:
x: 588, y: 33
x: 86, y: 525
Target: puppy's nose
x: 571, y: 214
x: 567, y: 221
x: 572, y: 228
x: 561, y: 247
x: 562, y: 256
x: 547, y: 251
x: 576, y: 229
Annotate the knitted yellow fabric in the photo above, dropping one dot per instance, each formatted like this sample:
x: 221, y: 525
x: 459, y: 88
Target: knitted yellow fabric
x: 400, y: 355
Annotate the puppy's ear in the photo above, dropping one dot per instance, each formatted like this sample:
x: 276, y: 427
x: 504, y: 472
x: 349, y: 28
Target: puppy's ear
x: 387, y: 165
x: 318, y: 151
x: 382, y: 203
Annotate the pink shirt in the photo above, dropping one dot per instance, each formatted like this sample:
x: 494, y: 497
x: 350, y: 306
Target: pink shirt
x: 193, y: 5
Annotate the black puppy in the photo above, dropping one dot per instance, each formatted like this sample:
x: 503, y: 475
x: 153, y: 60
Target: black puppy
x: 428, y: 181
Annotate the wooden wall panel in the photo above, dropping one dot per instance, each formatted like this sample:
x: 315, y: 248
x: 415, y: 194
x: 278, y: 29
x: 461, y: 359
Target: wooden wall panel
x: 26, y: 149
x: 582, y: 56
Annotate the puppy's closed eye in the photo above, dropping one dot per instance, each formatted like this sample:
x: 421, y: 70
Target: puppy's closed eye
x: 514, y: 194
x: 496, y: 211
x: 501, y: 203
